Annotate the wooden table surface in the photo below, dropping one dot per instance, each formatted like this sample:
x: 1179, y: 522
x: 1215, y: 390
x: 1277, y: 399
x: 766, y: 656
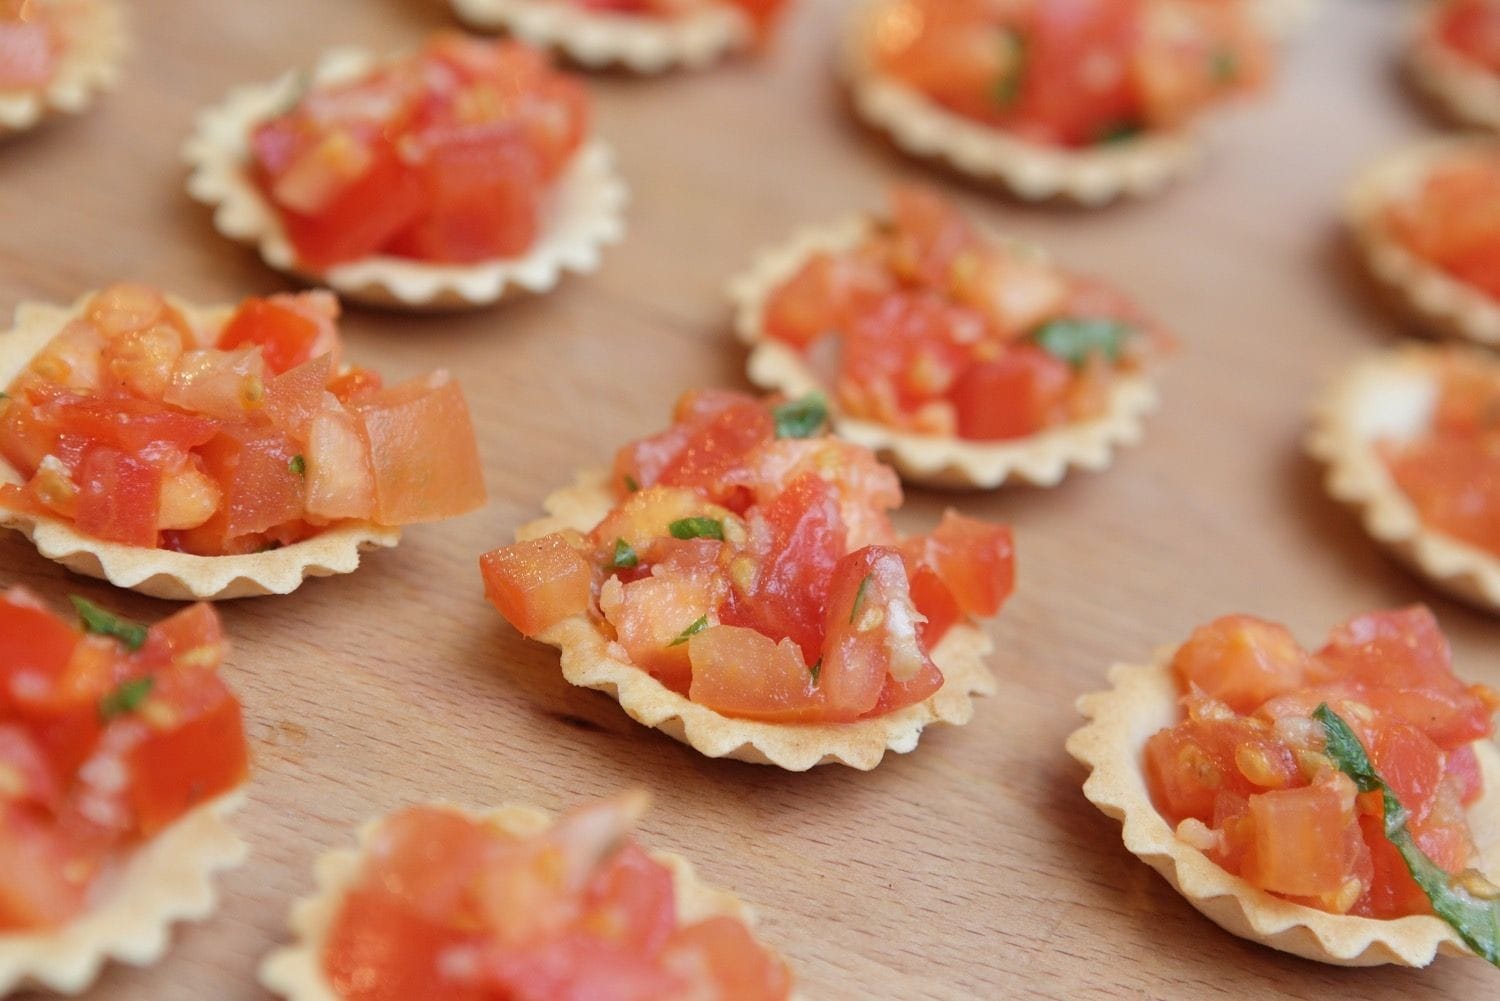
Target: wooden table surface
x: 972, y: 868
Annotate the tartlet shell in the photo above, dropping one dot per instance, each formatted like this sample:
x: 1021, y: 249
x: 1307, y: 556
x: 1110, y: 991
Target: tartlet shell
x: 1143, y: 700
x: 295, y: 972
x: 590, y: 660
x: 169, y: 879
x: 1441, y: 303
x: 599, y: 40
x: 586, y: 210
x: 1392, y: 394
x: 96, y: 44
x: 1466, y: 92
x: 1042, y: 459
x: 162, y: 573
x: 1031, y: 171
x: 1283, y: 18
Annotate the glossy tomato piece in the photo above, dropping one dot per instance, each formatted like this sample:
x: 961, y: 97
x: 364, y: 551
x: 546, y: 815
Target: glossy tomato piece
x: 1015, y: 395
x: 378, y: 949
x: 823, y: 298
x: 871, y: 632
x: 428, y: 858
x: 742, y: 672
x: 1241, y: 661
x: 975, y: 560
x: 422, y: 451
x: 119, y: 497
x: 721, y: 959
x: 339, y: 478
x: 932, y: 597
x: 125, y: 424
x: 194, y: 752
x: 715, y: 429
x: 537, y: 583
x: 34, y: 643
x: 256, y: 469
x: 290, y: 330
x: 652, y: 617
x: 632, y: 901
x: 36, y: 892
x: 906, y: 354
x: 1306, y: 838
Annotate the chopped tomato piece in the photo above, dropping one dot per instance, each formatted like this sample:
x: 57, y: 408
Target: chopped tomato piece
x: 422, y: 451
x: 974, y: 560
x: 119, y: 497
x: 537, y: 584
x: 745, y: 673
x: 1241, y: 661
x: 290, y: 330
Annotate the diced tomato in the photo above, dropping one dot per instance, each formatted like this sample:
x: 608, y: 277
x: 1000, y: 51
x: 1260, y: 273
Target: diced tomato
x: 973, y: 559
x: 719, y: 958
x: 262, y: 489
x: 339, y: 479
x: 380, y: 950
x: 192, y: 637
x: 29, y: 53
x: 823, y: 298
x: 199, y: 754
x: 933, y: 599
x: 26, y: 776
x: 1303, y: 843
x: 871, y: 631
x: 228, y: 385
x: 716, y: 429
x: 126, y: 424
x: 119, y: 497
x: 631, y: 902
x: 1241, y: 661
x: 422, y: 451
x: 296, y: 397
x: 290, y: 330
x: 1017, y: 394
x: 742, y: 672
x: 652, y: 616
x: 354, y: 384
x: 577, y: 966
x: 427, y: 858
x: 33, y: 643
x: 538, y: 583
x: 36, y: 892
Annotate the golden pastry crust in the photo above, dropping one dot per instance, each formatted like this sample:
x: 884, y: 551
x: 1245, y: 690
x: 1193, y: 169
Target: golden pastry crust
x: 1392, y: 395
x: 1467, y: 92
x: 161, y: 572
x: 296, y: 972
x: 1041, y: 459
x: 1440, y: 302
x: 1283, y: 18
x: 591, y: 660
x: 166, y: 880
x: 586, y: 211
x: 601, y: 40
x: 1031, y: 171
x: 1143, y: 700
x: 96, y: 41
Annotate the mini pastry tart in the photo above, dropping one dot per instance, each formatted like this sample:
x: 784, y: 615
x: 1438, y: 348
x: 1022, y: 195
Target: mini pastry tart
x: 216, y: 453
x: 962, y: 359
x: 60, y: 54
x: 917, y: 72
x: 599, y: 39
x: 121, y: 754
x: 345, y: 182
x: 1404, y: 419
x: 661, y: 925
x: 1404, y: 213
x: 750, y: 598
x: 1449, y: 63
x: 1140, y: 751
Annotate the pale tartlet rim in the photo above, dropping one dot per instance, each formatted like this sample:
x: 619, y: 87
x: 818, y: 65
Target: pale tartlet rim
x: 601, y: 40
x: 90, y: 66
x: 1357, y: 476
x: 1440, y: 302
x: 1042, y: 460
x: 168, y: 879
x: 587, y: 210
x: 295, y: 971
x: 162, y: 573
x: 588, y: 662
x: 1144, y: 699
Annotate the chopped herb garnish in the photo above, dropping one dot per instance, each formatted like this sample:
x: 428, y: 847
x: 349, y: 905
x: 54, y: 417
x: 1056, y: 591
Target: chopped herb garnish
x: 97, y: 620
x: 298, y: 465
x: 801, y: 418
x: 697, y: 528
x: 127, y: 698
x: 816, y: 671
x: 625, y: 557
x: 690, y: 631
x: 630, y: 484
x: 4, y: 397
x: 1224, y: 66
x: 1074, y: 340
x: 1007, y: 89
x: 1476, y: 919
x: 1118, y: 132
x: 859, y: 597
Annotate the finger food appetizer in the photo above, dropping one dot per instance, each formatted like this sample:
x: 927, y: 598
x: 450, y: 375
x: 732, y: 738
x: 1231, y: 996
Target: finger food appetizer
x: 441, y: 179
x: 735, y: 581
x: 1086, y: 101
x: 56, y: 56
x: 1341, y: 805
x: 643, y: 36
x: 1427, y: 222
x: 962, y: 358
x: 1411, y: 438
x: 121, y: 755
x: 217, y: 453
x: 440, y: 902
x: 1455, y: 58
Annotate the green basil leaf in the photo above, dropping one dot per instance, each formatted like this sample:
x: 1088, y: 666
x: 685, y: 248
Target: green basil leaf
x: 298, y: 465
x: 802, y: 418
x: 625, y: 557
x: 859, y: 597
x: 1118, y: 132
x: 697, y: 528
x: 1007, y: 89
x: 816, y: 671
x: 127, y: 698
x: 1074, y: 340
x: 691, y: 631
x: 1475, y: 919
x: 1224, y: 67
x: 630, y: 484
x: 97, y: 620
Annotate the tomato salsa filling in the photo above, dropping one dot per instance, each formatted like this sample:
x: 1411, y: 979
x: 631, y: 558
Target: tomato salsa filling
x: 927, y: 325
x: 1470, y: 28
x: 1451, y: 472
x: 142, y: 427
x: 749, y: 564
x: 1252, y: 779
x: 1451, y: 219
x: 449, y: 155
x: 31, y: 43
x: 449, y: 908
x: 1072, y: 73
x: 109, y: 732
x: 762, y: 13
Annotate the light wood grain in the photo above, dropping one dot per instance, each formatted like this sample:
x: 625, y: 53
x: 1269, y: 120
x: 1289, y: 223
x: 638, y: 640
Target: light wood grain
x: 972, y: 868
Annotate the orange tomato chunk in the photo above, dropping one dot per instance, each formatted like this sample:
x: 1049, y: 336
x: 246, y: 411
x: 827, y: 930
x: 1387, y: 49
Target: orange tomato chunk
x: 537, y: 584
